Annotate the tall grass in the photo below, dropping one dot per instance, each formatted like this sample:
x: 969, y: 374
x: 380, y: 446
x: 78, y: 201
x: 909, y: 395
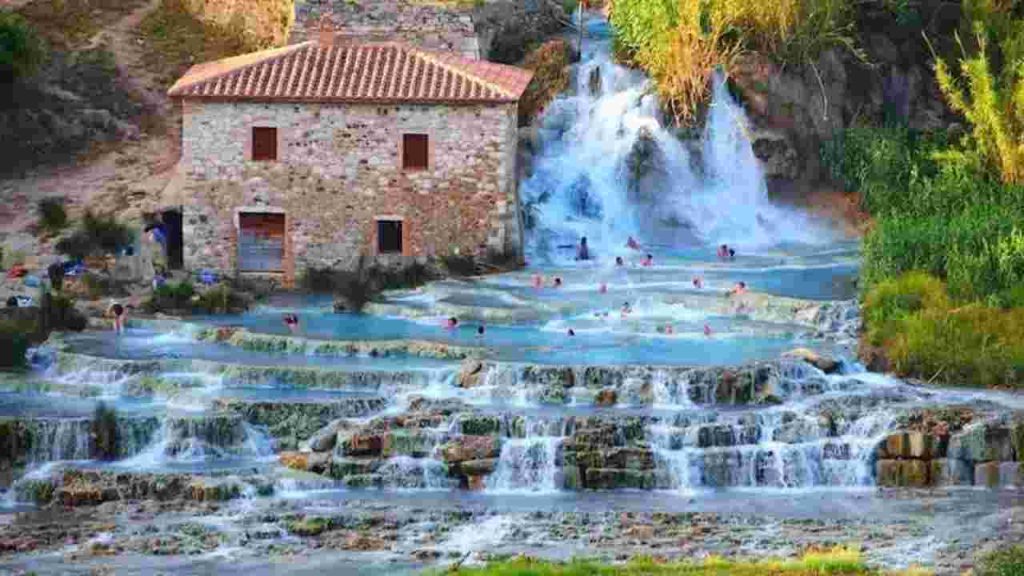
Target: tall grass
x: 681, y: 42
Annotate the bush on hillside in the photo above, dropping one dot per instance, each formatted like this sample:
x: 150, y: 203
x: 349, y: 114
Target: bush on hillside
x: 1007, y: 561
x: 21, y: 49
x: 184, y: 32
x: 681, y: 43
x: 550, y: 66
x: 96, y: 235
x: 14, y: 342
x: 53, y: 218
x: 923, y: 334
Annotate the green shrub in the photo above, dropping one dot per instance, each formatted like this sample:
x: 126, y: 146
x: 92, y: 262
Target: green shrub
x: 57, y: 312
x: 458, y: 265
x: 357, y: 288
x: 21, y: 49
x: 96, y: 236
x: 182, y: 298
x: 52, y: 216
x: 14, y: 342
x: 171, y: 297
x: 1007, y: 561
x: 221, y: 299
x: 914, y: 321
x: 944, y: 245
x: 897, y: 298
x: 99, y: 286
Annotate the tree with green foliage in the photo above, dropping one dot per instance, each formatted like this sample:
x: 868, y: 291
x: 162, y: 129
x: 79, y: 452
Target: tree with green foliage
x: 21, y: 49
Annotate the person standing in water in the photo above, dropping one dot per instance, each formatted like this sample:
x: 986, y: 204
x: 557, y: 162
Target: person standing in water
x: 648, y: 261
x: 118, y: 313
x: 619, y: 262
x: 538, y: 281
x: 582, y: 252
x: 698, y: 282
x: 632, y: 244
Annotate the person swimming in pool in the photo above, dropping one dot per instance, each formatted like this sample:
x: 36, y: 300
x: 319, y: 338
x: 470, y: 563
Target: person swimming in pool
x: 291, y: 321
x: 738, y: 290
x: 603, y: 288
x: 619, y: 261
x: 632, y: 244
x: 557, y: 283
x: 698, y: 282
x: 452, y: 323
x: 626, y: 309
x: 707, y: 330
x: 538, y: 281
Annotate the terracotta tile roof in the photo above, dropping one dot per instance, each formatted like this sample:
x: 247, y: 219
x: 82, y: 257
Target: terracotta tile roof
x: 347, y: 72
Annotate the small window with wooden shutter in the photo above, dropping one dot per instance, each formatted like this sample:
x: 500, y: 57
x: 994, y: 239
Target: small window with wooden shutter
x: 415, y: 151
x: 264, y: 144
x: 389, y: 236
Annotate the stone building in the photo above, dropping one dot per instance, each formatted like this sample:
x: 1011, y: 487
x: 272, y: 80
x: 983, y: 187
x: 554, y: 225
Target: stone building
x: 319, y: 154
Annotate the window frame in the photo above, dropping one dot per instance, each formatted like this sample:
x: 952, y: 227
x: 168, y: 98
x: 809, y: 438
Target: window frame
x: 253, y: 146
x: 380, y: 222
x: 406, y: 136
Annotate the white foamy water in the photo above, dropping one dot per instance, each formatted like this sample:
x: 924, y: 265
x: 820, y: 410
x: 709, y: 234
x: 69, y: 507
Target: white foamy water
x: 609, y: 168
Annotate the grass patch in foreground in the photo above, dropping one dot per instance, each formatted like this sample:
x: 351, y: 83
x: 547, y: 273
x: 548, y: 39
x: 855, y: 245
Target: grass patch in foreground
x: 840, y: 561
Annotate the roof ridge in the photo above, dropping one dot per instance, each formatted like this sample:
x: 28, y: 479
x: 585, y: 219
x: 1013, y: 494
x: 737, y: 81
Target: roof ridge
x: 270, y: 55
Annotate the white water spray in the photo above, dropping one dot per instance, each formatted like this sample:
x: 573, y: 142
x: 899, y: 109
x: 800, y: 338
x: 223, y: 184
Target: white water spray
x: 607, y: 168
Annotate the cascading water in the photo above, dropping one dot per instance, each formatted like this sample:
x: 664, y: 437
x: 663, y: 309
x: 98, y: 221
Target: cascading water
x: 529, y: 460
x: 607, y: 168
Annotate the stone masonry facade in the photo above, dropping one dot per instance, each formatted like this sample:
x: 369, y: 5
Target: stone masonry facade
x: 339, y: 169
x: 432, y: 26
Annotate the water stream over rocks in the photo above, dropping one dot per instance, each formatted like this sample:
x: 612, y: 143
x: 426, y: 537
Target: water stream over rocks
x: 683, y: 423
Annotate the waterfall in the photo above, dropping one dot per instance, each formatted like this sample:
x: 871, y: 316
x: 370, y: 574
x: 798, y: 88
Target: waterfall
x: 529, y: 463
x: 607, y: 167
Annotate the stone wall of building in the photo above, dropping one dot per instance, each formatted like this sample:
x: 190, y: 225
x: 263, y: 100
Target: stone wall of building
x: 339, y: 168
x: 433, y: 26
x: 496, y: 30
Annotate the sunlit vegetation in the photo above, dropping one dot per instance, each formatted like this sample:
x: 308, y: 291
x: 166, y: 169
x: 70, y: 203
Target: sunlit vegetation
x: 989, y: 90
x: 943, y: 273
x: 839, y: 561
x: 681, y: 43
x: 184, y: 32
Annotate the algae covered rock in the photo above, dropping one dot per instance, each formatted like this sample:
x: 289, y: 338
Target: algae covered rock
x: 467, y: 448
x: 824, y: 363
